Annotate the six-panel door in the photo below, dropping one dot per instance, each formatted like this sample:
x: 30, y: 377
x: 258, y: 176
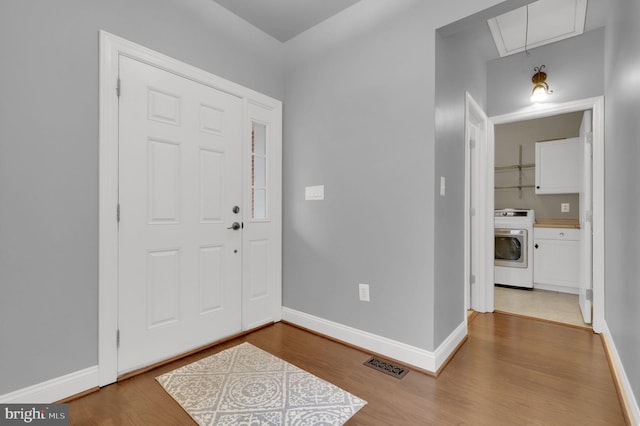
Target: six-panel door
x: 179, y: 178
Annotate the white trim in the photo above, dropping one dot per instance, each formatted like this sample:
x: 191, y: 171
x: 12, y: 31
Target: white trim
x: 469, y: 103
x: 489, y: 219
x: 111, y: 47
x: 411, y: 355
x: 54, y: 389
x: 595, y: 104
x: 450, y: 344
x: 477, y: 300
x: 107, y: 204
x: 557, y: 288
x: 630, y: 401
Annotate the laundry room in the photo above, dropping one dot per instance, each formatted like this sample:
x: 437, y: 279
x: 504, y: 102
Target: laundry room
x: 539, y: 183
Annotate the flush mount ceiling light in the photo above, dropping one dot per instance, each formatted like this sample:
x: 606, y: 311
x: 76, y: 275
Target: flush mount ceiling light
x: 540, y: 87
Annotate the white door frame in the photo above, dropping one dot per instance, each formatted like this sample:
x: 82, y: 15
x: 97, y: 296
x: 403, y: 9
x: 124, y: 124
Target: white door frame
x: 545, y: 110
x: 478, y: 241
x: 111, y: 47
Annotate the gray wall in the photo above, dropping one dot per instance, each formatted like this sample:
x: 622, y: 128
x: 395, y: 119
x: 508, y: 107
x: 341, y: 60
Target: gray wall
x: 622, y: 203
x: 508, y: 137
x: 461, y: 59
x: 574, y: 70
x: 49, y: 157
x: 359, y: 119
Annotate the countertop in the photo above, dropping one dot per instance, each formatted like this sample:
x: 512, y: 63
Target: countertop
x: 557, y: 223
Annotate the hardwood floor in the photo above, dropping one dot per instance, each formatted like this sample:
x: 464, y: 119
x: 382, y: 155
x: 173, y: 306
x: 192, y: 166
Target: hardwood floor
x: 510, y: 371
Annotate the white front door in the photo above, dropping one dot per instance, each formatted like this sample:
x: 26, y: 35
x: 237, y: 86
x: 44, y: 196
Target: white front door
x: 585, y: 296
x: 180, y: 162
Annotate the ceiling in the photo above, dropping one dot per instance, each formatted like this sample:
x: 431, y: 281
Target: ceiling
x: 549, y: 20
x: 285, y: 19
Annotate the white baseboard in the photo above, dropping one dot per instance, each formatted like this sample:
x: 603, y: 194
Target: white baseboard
x: 630, y: 402
x: 446, y: 348
x: 54, y: 389
x: 411, y: 355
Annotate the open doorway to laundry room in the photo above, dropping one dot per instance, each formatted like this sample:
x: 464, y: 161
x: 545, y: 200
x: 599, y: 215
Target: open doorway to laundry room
x: 566, y: 251
x: 575, y: 238
x: 539, y: 183
x: 469, y: 58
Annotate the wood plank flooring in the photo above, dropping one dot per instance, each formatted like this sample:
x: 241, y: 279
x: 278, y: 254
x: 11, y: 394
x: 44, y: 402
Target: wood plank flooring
x: 510, y: 371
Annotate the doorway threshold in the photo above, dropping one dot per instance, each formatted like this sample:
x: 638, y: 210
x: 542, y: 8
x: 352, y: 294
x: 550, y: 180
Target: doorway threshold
x: 561, y: 308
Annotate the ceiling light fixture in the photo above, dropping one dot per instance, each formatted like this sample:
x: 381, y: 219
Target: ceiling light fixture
x: 540, y: 87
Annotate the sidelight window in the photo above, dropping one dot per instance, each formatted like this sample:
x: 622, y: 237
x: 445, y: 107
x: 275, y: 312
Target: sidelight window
x: 259, y: 187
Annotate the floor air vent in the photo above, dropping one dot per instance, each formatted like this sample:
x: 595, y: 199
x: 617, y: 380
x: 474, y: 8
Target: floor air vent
x: 387, y: 367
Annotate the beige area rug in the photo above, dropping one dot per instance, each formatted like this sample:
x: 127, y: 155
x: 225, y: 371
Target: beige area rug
x: 247, y: 386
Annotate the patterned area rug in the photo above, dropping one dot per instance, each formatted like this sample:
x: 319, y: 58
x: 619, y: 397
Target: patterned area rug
x: 245, y: 385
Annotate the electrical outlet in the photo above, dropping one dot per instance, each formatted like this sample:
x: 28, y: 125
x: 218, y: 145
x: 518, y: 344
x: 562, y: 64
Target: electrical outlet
x: 364, y: 292
x: 565, y: 207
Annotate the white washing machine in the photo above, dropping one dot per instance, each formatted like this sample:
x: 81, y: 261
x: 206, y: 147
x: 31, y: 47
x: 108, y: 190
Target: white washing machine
x: 513, y: 260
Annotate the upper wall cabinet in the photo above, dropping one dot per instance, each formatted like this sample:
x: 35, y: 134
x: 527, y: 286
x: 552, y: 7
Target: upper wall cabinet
x: 558, y: 166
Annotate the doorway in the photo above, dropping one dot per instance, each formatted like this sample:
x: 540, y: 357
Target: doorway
x: 538, y: 172
x: 485, y: 172
x: 242, y: 262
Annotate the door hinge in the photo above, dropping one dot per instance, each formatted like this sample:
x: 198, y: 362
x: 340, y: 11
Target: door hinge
x: 589, y: 138
x: 588, y: 216
x: 472, y: 279
x: 118, y: 338
x: 472, y: 143
x: 118, y: 213
x: 118, y: 87
x: 589, y: 295
x: 472, y: 211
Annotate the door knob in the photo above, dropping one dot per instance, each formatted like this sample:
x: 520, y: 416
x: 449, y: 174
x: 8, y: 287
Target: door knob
x: 536, y: 246
x: 235, y: 209
x: 235, y: 226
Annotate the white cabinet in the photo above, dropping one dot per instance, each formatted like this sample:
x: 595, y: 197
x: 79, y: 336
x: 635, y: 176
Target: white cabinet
x: 556, y: 259
x: 558, y: 166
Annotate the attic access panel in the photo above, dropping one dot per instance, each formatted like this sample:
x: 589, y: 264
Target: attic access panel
x: 549, y: 21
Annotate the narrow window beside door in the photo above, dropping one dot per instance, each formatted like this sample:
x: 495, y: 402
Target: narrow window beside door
x: 258, y: 171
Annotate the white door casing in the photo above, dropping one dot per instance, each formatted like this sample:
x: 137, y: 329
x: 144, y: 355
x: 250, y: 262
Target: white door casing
x: 586, y: 238
x: 112, y: 49
x: 478, y: 210
x: 179, y: 178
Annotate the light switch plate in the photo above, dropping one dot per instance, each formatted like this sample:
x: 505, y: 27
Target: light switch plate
x: 363, y: 290
x: 565, y: 207
x: 314, y: 193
